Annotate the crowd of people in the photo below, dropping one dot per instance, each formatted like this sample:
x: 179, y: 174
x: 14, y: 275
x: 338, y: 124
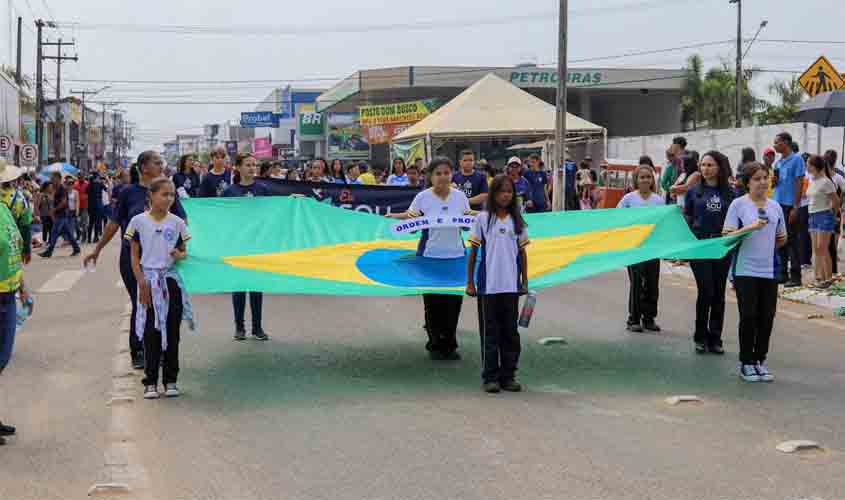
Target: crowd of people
x: 785, y: 211
x: 788, y: 210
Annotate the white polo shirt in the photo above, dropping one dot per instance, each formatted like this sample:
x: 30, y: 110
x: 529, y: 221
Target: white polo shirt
x: 498, y: 271
x: 157, y: 238
x: 441, y: 243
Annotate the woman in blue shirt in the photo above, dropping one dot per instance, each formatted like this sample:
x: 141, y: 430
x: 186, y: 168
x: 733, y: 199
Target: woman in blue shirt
x: 705, y: 208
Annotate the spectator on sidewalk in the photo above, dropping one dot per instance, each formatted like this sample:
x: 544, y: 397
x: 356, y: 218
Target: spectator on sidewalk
x: 522, y: 189
x: 73, y: 205
x: 539, y: 181
x: 414, y: 177
x: 338, y: 173
x: 96, y: 188
x: 822, y: 222
x: 81, y: 187
x: 11, y: 282
x: 790, y: 172
x: 15, y: 200
x: 398, y: 177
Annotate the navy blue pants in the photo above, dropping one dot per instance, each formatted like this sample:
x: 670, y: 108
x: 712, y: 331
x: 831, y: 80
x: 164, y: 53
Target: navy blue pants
x: 135, y: 345
x: 7, y: 327
x: 256, y: 303
x: 63, y: 226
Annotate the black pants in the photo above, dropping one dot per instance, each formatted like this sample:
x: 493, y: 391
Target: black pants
x: 833, y: 246
x: 441, y: 321
x: 500, y: 346
x: 95, y: 225
x: 256, y: 302
x: 644, y: 291
x: 135, y: 345
x: 711, y: 278
x: 790, y: 254
x: 757, y: 299
x: 46, y: 229
x: 152, y: 341
x: 805, y: 250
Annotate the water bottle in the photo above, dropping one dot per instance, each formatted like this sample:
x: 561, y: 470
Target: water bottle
x: 23, y: 312
x: 528, y: 309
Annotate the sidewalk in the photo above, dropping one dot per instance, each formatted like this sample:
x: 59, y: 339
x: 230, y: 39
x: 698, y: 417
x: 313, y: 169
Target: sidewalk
x: 832, y: 299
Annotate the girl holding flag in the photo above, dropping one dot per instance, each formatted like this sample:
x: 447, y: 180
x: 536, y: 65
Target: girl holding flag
x: 441, y: 311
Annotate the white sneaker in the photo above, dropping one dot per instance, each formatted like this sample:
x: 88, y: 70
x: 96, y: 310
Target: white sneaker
x: 151, y: 392
x: 764, y: 373
x: 749, y: 373
x: 171, y: 391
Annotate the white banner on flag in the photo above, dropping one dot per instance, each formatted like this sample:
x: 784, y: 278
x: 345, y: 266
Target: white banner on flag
x: 413, y: 225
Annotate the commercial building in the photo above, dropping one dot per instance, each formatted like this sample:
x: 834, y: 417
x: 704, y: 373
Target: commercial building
x: 623, y: 101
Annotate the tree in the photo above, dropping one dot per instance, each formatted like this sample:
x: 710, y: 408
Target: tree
x: 692, y: 101
x: 789, y: 95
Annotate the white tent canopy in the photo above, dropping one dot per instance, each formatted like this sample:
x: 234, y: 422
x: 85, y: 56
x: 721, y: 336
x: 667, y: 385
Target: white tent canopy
x: 493, y: 108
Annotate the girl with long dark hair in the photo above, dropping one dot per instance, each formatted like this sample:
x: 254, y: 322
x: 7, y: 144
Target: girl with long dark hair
x: 705, y: 209
x: 823, y: 198
x: 186, y: 179
x: 499, y: 233
x: 338, y: 173
x: 441, y: 311
x: 398, y: 176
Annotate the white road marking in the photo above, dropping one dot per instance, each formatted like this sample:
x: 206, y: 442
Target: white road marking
x: 63, y: 281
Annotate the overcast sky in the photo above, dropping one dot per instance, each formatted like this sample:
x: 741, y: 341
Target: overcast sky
x: 315, y: 48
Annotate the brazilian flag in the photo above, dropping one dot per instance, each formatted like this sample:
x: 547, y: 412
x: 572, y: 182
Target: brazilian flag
x: 292, y: 245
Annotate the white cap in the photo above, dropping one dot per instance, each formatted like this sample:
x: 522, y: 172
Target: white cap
x: 514, y: 159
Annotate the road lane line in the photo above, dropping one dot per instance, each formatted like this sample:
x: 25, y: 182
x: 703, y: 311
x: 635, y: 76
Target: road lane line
x: 63, y: 281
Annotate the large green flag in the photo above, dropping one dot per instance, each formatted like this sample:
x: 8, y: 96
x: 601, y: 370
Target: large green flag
x: 294, y: 245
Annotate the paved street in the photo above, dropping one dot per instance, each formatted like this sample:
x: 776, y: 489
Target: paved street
x: 342, y: 403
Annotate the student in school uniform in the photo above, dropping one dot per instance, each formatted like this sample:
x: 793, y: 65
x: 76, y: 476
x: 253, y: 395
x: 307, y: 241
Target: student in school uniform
x: 245, y: 185
x: 645, y: 276
x: 754, y: 270
x: 215, y: 182
x: 441, y: 311
x: 500, y: 237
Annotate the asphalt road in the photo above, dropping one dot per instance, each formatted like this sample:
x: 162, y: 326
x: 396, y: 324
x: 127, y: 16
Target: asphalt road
x: 343, y: 403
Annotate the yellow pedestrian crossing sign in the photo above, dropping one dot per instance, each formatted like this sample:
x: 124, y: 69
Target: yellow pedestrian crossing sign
x: 821, y: 77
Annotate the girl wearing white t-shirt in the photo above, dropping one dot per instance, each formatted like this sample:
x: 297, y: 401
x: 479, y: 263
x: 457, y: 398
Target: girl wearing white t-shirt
x: 822, y: 203
x: 645, y: 276
x: 754, y: 269
x: 500, y: 235
x: 441, y: 311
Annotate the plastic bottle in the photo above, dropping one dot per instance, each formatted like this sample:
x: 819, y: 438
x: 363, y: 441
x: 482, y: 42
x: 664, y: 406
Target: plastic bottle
x: 23, y: 312
x: 528, y: 309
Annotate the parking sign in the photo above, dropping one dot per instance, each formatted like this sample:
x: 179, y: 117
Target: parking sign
x: 29, y: 155
x: 6, y: 144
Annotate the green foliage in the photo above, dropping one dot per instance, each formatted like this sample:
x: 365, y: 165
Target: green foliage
x: 789, y: 95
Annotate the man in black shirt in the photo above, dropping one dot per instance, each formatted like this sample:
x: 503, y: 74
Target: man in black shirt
x: 62, y: 222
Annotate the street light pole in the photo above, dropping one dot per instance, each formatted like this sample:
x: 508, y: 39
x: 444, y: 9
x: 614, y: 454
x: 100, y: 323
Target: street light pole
x: 558, y: 183
x: 739, y: 76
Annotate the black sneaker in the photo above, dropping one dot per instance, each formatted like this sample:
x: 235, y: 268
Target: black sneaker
x: 75, y: 253
x: 260, y: 335
x: 651, y: 326
x: 634, y: 327
x: 792, y: 284
x: 452, y: 356
x: 717, y: 349
x: 138, y: 361
x: 491, y: 387
x: 511, y: 386
x: 45, y: 255
x: 240, y: 335
x: 700, y: 348
x: 7, y: 430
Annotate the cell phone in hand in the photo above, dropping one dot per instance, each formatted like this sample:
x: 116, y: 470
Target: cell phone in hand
x: 762, y: 215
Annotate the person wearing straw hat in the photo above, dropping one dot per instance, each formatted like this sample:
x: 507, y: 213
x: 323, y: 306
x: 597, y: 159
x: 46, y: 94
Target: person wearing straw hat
x: 15, y: 200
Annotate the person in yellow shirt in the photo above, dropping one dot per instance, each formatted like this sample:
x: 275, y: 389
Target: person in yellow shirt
x: 15, y: 200
x: 769, y: 163
x: 367, y: 177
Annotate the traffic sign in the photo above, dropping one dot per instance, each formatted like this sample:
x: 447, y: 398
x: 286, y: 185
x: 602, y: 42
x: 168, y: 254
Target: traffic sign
x: 29, y: 154
x: 6, y: 144
x: 821, y: 77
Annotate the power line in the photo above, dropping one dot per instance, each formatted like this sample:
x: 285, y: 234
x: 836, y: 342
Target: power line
x: 809, y: 42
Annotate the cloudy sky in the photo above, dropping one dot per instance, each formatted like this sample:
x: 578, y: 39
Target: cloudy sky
x: 311, y: 43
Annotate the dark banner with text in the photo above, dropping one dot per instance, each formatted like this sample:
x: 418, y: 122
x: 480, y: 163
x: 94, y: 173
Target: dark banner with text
x: 379, y: 200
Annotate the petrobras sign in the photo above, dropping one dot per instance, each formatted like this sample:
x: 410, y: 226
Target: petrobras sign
x: 543, y: 77
x: 413, y: 225
x: 260, y: 119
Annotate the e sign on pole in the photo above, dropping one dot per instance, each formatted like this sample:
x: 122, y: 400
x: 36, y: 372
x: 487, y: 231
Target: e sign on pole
x: 29, y: 155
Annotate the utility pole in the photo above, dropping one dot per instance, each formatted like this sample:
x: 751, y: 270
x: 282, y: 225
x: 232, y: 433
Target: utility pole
x: 59, y: 58
x: 39, y: 97
x: 559, y: 184
x: 739, y: 76
x: 18, y: 78
x: 83, y: 143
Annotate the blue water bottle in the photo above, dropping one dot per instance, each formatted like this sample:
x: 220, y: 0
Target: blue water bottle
x: 23, y: 312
